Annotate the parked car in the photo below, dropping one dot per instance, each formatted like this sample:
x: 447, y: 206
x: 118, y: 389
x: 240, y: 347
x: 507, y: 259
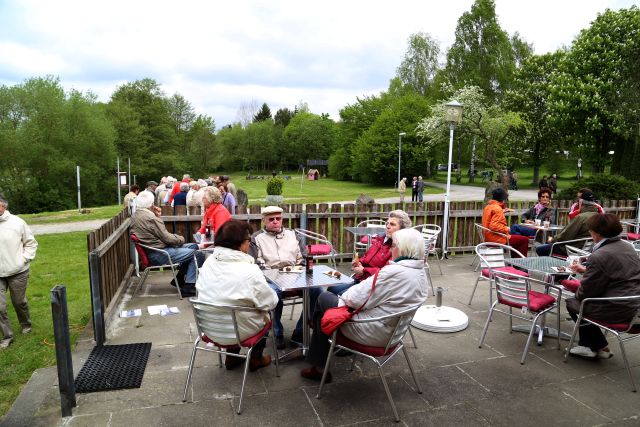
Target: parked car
x: 443, y: 167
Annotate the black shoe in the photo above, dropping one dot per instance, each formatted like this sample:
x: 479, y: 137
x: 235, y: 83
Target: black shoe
x: 188, y: 291
x: 280, y: 344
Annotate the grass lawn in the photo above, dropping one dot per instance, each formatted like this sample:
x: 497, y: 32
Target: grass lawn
x: 103, y: 212
x: 61, y: 259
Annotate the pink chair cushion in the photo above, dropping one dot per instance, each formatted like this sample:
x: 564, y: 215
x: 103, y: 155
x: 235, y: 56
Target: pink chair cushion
x: 249, y: 342
x: 537, y: 301
x: 365, y: 239
x: 320, y: 249
x: 362, y: 348
x: 144, y: 260
x: 620, y: 327
x: 633, y: 236
x: 506, y: 269
x: 571, y: 284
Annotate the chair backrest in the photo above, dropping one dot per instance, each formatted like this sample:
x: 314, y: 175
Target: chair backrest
x: 144, y: 260
x: 491, y: 255
x: 317, y: 237
x: 479, y: 229
x: 372, y: 223
x: 511, y: 290
x: 402, y: 326
x: 217, y: 321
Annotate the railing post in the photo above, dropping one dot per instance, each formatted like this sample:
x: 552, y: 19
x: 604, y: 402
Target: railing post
x: 96, y: 298
x: 63, y: 349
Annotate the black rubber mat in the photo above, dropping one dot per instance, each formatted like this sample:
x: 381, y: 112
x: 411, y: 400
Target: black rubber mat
x: 113, y: 367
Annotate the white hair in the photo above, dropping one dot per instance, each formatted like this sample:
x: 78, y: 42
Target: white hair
x: 145, y: 200
x: 409, y: 242
x: 405, y: 221
x: 184, y: 186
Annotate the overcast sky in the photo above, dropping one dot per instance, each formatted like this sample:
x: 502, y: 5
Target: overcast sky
x: 220, y: 54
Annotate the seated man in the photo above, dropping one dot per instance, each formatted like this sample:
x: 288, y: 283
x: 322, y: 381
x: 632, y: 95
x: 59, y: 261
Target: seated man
x: 151, y: 231
x: 275, y: 247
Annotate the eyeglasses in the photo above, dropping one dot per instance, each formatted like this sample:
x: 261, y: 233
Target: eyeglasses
x: 275, y: 218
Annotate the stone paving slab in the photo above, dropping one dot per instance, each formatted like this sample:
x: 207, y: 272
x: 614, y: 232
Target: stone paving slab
x: 463, y: 384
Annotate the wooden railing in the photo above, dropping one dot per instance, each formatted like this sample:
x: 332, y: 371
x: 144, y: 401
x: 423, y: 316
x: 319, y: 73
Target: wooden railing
x: 110, y: 263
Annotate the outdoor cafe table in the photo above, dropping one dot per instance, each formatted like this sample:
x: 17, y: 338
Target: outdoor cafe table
x: 542, y: 265
x: 545, y: 230
x: 366, y: 231
x: 304, y: 281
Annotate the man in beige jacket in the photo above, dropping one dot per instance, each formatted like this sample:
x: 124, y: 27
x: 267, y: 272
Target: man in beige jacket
x: 17, y: 249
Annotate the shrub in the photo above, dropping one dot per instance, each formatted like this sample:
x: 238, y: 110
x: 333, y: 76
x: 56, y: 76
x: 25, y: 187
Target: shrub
x: 274, y: 186
x: 605, y: 187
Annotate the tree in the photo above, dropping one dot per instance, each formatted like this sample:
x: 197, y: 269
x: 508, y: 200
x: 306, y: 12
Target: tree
x: 182, y: 116
x: 283, y: 117
x: 308, y: 136
x: 482, y: 54
x: 263, y: 114
x: 420, y: 63
x: 201, y: 136
x: 590, y: 94
x: 246, y: 112
x: 494, y: 129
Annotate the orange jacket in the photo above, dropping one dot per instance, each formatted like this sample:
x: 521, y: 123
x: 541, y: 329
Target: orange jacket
x: 493, y: 218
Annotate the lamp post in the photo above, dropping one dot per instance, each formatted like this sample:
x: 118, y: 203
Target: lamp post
x: 453, y: 116
x: 400, y: 135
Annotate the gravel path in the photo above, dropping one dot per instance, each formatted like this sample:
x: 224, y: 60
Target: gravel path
x: 458, y: 193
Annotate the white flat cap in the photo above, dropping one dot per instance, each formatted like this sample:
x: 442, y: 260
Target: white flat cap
x: 271, y: 210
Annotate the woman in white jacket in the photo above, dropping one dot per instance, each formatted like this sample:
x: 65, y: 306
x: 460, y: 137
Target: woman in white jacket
x: 229, y: 276
x: 400, y: 285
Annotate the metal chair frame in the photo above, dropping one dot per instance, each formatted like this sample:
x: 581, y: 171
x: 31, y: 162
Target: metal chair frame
x: 587, y: 241
x: 517, y: 290
x: 172, y: 265
x: 617, y: 333
x: 430, y: 233
x: 321, y: 239
x: 220, y: 320
x: 367, y: 223
x: 491, y: 256
x: 402, y: 326
x: 481, y: 229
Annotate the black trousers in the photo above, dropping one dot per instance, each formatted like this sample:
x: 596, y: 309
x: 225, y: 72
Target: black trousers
x: 319, y: 346
x: 590, y: 335
x: 414, y: 195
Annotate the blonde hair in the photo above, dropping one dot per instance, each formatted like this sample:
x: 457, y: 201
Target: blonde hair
x: 212, y: 194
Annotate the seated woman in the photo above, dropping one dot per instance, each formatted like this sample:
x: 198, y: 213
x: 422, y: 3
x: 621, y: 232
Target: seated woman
x: 574, y: 210
x: 400, y: 285
x: 493, y: 218
x: 215, y: 214
x: 230, y: 276
x: 612, y: 270
x: 577, y: 228
x: 541, y: 210
x: 379, y: 253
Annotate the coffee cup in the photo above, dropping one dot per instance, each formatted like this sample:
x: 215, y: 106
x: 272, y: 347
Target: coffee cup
x: 546, y: 224
x: 537, y: 221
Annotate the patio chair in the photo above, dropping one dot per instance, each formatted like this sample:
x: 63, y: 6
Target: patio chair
x: 320, y: 246
x: 586, y: 244
x: 481, y: 230
x: 517, y: 293
x: 363, y: 242
x: 386, y: 353
x: 491, y: 256
x: 430, y: 233
x: 143, y: 261
x: 219, y: 322
x: 623, y: 331
x: 631, y: 230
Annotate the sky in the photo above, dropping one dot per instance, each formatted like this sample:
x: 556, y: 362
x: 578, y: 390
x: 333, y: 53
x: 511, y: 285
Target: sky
x: 221, y: 55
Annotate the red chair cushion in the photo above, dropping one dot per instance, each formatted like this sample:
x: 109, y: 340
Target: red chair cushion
x: 362, y: 348
x: 537, y: 301
x: 619, y: 327
x: 142, y: 255
x: 506, y: 269
x: 571, y: 284
x: 365, y: 239
x: 249, y: 342
x: 320, y: 249
x: 633, y: 236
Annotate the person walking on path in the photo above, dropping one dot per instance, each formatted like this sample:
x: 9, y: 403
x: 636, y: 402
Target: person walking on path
x: 17, y: 249
x: 414, y: 189
x: 402, y: 188
x: 420, y: 189
x: 553, y: 183
x: 543, y: 183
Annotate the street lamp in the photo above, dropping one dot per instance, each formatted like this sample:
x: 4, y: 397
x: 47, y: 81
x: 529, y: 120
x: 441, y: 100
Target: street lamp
x: 453, y: 116
x: 400, y: 135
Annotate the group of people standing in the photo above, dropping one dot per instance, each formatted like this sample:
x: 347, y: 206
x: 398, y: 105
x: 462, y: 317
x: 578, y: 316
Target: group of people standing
x: 417, y: 188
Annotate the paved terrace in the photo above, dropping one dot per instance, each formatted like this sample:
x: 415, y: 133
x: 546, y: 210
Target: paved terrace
x: 463, y: 385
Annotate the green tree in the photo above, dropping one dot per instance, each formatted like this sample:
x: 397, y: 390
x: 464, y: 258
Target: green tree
x: 263, y: 114
x: 202, y: 141
x: 420, y: 63
x: 308, y: 136
x: 182, y: 117
x: 283, y: 117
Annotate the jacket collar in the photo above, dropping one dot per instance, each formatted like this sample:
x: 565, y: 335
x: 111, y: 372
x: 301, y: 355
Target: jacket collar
x: 5, y: 216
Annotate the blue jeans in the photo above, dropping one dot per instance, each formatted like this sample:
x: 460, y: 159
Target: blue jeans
x: 278, y: 329
x: 182, y: 255
x: 339, y: 289
x: 522, y: 230
x: 544, y: 250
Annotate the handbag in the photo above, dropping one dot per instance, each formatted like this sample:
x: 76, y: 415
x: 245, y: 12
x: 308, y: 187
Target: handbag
x: 334, y: 317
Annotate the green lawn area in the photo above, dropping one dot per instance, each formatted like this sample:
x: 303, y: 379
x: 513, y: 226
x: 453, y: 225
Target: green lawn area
x: 102, y: 212
x: 61, y: 259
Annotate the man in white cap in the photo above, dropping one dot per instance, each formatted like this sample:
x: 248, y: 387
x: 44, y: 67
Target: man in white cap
x: 275, y: 246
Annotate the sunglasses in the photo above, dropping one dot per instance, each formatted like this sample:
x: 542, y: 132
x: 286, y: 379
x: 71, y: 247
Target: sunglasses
x: 275, y: 218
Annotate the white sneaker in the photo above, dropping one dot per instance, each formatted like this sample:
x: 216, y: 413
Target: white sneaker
x: 5, y: 342
x: 583, y: 351
x: 604, y: 354
x: 26, y: 330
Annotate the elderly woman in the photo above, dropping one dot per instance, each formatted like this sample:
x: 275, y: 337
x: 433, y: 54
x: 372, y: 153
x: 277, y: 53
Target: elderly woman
x: 230, y: 276
x: 612, y: 270
x: 541, y: 210
x: 215, y: 214
x: 494, y: 220
x: 400, y: 285
x: 228, y: 201
x: 180, y: 198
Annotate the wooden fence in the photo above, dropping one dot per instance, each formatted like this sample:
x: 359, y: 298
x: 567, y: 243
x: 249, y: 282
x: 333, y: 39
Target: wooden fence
x: 110, y: 263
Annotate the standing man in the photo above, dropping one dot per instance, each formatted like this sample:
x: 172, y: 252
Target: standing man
x: 420, y: 188
x: 402, y: 188
x: 414, y: 189
x: 17, y: 249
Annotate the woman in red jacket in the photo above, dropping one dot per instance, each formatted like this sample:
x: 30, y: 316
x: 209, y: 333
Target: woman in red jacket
x: 215, y: 213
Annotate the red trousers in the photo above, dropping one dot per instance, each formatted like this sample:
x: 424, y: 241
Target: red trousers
x: 519, y: 243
